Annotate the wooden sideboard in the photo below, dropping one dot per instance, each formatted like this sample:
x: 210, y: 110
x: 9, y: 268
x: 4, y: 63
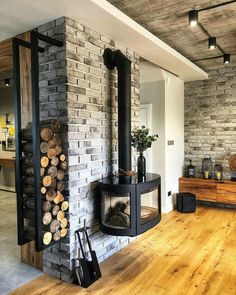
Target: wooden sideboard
x: 222, y: 191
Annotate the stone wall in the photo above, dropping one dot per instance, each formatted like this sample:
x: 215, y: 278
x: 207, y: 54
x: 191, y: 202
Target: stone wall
x: 85, y: 95
x: 210, y: 118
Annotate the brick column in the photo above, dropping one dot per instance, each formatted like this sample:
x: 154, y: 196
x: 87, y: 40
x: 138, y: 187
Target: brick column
x: 78, y: 88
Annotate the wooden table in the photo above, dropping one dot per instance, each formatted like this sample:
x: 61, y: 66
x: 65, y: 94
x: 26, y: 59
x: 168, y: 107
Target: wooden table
x: 218, y: 191
x: 7, y: 162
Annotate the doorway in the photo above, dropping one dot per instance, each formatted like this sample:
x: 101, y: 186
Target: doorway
x: 165, y: 92
x: 13, y: 273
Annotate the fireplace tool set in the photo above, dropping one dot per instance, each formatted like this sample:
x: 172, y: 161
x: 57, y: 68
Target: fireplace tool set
x: 88, y: 270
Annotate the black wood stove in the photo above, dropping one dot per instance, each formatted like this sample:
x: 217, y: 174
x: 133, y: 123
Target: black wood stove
x: 129, y: 209
x: 129, y: 205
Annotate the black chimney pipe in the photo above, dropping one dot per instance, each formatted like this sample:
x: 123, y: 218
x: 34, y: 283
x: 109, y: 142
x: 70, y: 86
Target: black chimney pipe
x: 117, y: 59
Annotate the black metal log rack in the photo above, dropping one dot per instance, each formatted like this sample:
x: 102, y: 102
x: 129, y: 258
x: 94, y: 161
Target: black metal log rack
x: 34, y: 48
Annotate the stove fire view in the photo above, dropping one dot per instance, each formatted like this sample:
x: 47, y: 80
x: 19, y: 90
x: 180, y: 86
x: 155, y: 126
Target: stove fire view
x: 129, y: 205
x: 129, y: 209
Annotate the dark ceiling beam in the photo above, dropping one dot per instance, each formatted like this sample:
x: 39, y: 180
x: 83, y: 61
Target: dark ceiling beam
x: 217, y: 5
x: 206, y: 58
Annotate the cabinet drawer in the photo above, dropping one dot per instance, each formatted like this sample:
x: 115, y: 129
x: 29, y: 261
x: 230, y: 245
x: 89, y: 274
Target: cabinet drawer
x: 210, y: 190
x: 226, y: 193
x: 203, y: 190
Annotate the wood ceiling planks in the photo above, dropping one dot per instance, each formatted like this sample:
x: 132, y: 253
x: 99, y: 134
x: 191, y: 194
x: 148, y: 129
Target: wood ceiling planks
x: 168, y: 20
x: 6, y: 63
x: 6, y: 56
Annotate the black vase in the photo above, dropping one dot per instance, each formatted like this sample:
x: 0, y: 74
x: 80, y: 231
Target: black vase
x: 141, y: 165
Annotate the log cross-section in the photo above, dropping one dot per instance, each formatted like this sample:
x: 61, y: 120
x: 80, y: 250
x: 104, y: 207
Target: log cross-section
x: 53, y: 168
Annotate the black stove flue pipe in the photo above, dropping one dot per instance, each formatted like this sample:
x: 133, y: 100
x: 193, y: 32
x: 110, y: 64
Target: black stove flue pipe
x: 117, y: 59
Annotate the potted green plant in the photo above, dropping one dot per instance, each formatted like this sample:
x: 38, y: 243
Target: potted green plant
x: 141, y: 141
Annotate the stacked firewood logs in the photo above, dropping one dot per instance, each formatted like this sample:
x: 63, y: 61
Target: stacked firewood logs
x: 53, y: 167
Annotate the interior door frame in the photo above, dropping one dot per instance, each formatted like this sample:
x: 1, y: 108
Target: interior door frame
x: 148, y: 108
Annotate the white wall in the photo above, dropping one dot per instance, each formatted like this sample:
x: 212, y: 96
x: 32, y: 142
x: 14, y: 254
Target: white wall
x: 166, y: 94
x: 154, y: 93
x: 174, y: 130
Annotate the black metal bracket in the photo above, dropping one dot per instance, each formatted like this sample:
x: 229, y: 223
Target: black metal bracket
x: 26, y: 44
x: 108, y: 59
x: 35, y: 48
x: 52, y: 41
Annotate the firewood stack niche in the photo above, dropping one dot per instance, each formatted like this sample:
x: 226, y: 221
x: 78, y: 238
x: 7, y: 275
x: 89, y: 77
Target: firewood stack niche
x: 53, y: 167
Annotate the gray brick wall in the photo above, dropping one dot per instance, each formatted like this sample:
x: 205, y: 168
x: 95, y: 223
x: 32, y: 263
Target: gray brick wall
x: 53, y: 104
x: 210, y: 118
x: 85, y: 97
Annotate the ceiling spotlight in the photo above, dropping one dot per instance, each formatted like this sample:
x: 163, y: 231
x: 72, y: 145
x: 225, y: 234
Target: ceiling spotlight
x: 212, y: 43
x: 7, y: 82
x: 226, y: 58
x: 193, y: 18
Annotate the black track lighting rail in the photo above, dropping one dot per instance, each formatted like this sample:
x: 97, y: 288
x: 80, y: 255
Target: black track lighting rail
x: 206, y: 58
x: 217, y: 5
x: 204, y: 30
x: 3, y: 80
x: 209, y: 36
x: 193, y: 21
x: 226, y: 58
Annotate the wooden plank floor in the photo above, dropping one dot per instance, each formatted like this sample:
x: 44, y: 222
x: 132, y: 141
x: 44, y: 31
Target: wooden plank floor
x: 185, y: 254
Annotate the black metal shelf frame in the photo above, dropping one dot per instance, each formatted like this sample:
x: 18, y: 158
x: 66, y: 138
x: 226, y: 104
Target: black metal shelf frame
x: 34, y: 48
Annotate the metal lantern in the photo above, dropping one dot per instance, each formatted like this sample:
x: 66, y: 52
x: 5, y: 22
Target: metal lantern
x: 218, y: 172
x: 207, y: 167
